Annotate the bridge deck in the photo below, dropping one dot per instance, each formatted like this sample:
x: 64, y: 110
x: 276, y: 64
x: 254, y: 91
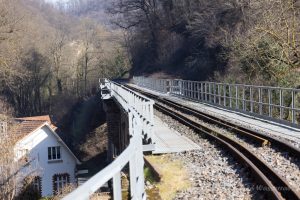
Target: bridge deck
x: 170, y: 141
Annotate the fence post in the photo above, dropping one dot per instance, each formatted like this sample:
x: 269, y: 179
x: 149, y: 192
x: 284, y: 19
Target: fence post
x: 202, y: 92
x: 191, y: 89
x: 270, y: 102
x: 293, y: 106
x: 230, y: 97
x: 260, y: 100
x: 199, y: 88
x: 195, y: 90
x: 237, y: 106
x: 206, y: 99
x: 219, y: 94
x: 244, y: 106
x: 215, y: 98
x: 225, y: 88
x: 281, y: 103
x: 209, y: 92
x: 117, y: 189
x: 251, y: 99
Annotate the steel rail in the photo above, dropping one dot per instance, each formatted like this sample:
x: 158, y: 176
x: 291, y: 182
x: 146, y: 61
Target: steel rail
x: 279, y: 188
x: 267, y: 139
x: 209, y: 119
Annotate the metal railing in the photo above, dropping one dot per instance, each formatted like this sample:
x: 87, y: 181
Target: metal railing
x: 160, y: 85
x: 279, y: 104
x: 142, y: 105
x: 140, y: 115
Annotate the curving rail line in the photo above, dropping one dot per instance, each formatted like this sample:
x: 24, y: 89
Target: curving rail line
x: 275, y: 186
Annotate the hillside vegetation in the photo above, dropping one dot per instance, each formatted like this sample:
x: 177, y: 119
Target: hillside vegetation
x: 51, y: 56
x: 225, y: 40
x: 50, y: 63
x: 49, y: 59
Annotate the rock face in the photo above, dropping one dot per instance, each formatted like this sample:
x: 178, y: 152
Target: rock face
x: 214, y: 173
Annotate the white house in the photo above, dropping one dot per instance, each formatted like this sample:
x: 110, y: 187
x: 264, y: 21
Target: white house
x: 51, y: 162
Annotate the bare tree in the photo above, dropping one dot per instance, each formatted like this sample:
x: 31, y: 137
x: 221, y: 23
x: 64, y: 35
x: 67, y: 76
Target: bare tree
x: 8, y: 166
x: 282, y: 25
x: 91, y: 48
x: 270, y: 50
x: 57, y: 53
x: 142, y: 15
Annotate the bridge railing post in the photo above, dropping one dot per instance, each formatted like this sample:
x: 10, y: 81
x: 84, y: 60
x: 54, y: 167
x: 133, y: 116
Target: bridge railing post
x: 237, y: 99
x: 293, y: 106
x: 117, y: 190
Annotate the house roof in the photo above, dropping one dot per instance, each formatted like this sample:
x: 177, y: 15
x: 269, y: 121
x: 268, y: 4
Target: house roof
x: 36, y: 118
x: 28, y: 125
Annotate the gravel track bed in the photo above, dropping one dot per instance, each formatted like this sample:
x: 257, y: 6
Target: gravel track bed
x: 214, y: 173
x: 286, y: 166
x: 286, y: 138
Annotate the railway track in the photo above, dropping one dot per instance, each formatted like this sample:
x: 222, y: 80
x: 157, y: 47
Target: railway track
x: 275, y: 186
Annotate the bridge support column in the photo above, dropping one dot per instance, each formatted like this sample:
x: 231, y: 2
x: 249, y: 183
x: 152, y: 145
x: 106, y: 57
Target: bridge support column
x: 117, y: 124
x: 113, y: 119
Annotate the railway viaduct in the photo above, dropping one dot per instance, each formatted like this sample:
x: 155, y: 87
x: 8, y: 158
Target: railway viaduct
x: 132, y: 128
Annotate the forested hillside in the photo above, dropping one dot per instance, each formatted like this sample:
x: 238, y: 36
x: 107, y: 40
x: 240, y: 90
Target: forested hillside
x: 52, y: 54
x: 225, y: 40
x: 50, y: 58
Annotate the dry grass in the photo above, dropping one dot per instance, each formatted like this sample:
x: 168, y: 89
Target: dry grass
x: 65, y: 191
x: 95, y: 143
x: 100, y: 196
x: 174, y: 176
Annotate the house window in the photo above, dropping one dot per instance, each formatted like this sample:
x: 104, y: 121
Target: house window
x: 54, y: 153
x: 59, y: 182
x: 36, y: 183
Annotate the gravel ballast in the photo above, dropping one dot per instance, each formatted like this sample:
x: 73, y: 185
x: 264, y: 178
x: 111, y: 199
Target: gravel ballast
x: 214, y: 173
x: 286, y: 166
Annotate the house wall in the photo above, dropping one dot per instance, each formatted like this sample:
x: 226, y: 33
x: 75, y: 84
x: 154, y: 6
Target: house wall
x: 37, y: 144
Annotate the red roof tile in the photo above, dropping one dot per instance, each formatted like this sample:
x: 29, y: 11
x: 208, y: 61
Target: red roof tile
x: 29, y: 124
x: 37, y: 118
